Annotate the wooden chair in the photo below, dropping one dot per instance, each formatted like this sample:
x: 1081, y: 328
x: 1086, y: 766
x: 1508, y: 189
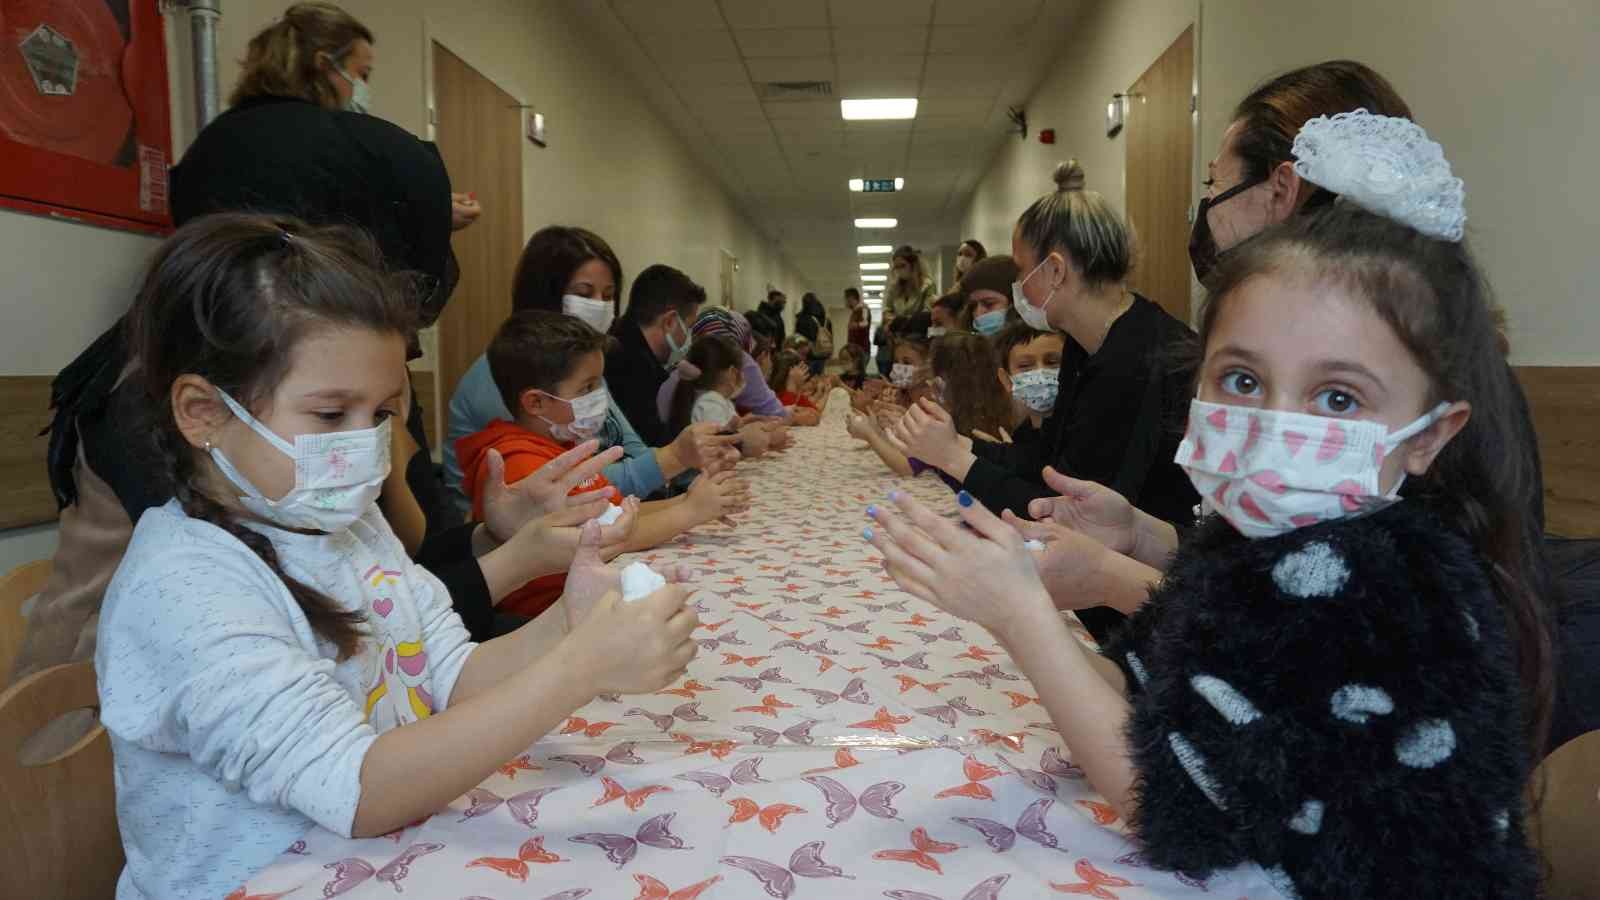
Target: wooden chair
x: 16, y: 587
x: 58, y: 819
x: 1563, y: 825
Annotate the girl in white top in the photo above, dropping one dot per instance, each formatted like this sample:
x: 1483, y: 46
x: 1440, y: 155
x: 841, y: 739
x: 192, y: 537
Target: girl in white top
x: 708, y: 379
x: 266, y: 635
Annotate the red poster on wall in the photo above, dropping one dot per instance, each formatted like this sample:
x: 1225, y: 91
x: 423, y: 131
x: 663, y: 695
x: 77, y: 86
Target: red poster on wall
x: 85, y: 128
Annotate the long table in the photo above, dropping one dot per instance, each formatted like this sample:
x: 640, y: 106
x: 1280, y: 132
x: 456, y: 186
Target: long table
x: 835, y: 737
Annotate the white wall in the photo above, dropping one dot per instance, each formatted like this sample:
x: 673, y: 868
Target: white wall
x: 1109, y: 47
x: 612, y: 165
x: 1508, y: 89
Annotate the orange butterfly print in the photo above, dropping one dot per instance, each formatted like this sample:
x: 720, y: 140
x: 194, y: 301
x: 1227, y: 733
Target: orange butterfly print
x: 921, y: 854
x: 770, y: 817
x: 713, y: 626
x: 239, y: 894
x: 1020, y: 700
x: 1094, y: 883
x: 917, y: 620
x: 842, y: 759
x: 1013, y: 741
x: 576, y: 724
x: 907, y: 683
x: 655, y: 889
x: 1103, y: 813
x: 977, y: 653
x: 719, y: 749
x: 520, y: 764
x: 883, y: 721
x: 770, y: 704
x: 733, y: 659
x: 833, y: 612
x: 751, y: 606
x: 976, y: 773
x: 882, y: 643
x: 792, y: 635
x: 531, y: 851
x: 690, y: 689
x: 632, y: 799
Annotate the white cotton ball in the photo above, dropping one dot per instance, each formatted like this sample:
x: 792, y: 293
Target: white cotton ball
x: 1033, y: 544
x: 640, y: 581
x: 610, y: 516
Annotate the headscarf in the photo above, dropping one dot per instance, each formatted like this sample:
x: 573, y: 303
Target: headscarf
x: 717, y: 320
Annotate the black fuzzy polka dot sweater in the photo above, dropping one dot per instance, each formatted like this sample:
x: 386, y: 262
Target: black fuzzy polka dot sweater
x: 1338, y: 705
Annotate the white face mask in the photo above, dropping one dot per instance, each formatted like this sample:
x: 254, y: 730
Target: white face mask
x: 337, y: 476
x: 1034, y: 316
x: 588, y: 415
x: 360, y: 92
x: 902, y: 374
x: 676, y: 351
x: 598, y: 313
x: 1037, y: 389
x: 938, y: 332
x: 1269, y: 472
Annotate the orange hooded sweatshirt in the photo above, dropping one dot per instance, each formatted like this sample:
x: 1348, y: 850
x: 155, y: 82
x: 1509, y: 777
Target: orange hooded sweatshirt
x: 525, y: 452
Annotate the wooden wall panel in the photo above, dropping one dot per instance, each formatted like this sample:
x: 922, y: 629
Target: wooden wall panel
x: 25, y: 497
x: 1160, y: 175
x: 1566, y: 412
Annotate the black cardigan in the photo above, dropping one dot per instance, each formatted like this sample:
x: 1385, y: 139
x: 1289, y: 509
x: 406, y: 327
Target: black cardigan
x: 1339, y: 705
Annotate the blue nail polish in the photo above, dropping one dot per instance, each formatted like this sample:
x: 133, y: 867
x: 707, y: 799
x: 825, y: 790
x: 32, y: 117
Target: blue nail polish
x: 894, y: 496
x: 872, y: 511
x: 964, y: 498
x: 866, y: 533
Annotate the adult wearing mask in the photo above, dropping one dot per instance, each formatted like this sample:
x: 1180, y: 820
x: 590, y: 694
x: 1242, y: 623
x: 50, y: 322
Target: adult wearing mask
x: 770, y: 316
x: 987, y: 288
x: 813, y: 323
x: 968, y: 254
x: 652, y: 337
x: 573, y: 271
x: 859, y: 328
x: 911, y: 289
x: 295, y: 141
x: 1119, y: 407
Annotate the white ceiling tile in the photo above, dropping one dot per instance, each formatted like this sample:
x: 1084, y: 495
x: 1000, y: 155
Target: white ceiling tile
x: 991, y: 12
x: 813, y: 110
x: 670, y: 47
x: 811, y: 68
x: 668, y: 15
x: 876, y: 87
x: 884, y: 66
x: 767, y: 42
x: 708, y: 73
x: 881, y: 12
x: 959, y: 89
x: 775, y: 13
x: 974, y: 110
x: 980, y: 40
x: 867, y: 42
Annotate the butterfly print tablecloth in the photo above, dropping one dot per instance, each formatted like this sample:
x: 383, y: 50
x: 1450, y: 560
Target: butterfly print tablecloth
x: 835, y: 737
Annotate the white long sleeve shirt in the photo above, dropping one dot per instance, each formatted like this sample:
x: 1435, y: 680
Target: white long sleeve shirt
x: 235, y: 728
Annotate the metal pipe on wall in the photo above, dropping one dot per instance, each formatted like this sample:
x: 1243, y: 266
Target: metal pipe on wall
x: 203, y: 16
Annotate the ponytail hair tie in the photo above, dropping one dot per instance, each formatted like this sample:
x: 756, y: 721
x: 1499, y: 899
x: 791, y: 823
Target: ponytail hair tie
x: 688, y: 371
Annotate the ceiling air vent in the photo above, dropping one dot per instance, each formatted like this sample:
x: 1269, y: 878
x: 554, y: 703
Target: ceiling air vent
x: 780, y: 91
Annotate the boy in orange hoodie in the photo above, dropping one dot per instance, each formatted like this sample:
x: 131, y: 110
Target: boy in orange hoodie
x: 550, y: 369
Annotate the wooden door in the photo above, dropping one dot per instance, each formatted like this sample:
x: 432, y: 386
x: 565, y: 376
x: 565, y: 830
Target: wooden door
x: 479, y: 132
x: 1160, y: 179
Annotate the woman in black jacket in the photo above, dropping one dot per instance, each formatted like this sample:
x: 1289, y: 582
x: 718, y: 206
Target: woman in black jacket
x: 814, y: 324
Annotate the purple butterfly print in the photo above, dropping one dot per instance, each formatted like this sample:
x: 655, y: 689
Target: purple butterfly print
x: 711, y: 781
x: 588, y: 765
x: 814, y: 600
x: 897, y: 606
x: 914, y: 661
x: 1137, y: 860
x: 524, y: 807
x: 805, y: 862
x: 776, y: 615
x: 798, y: 733
x: 609, y: 698
x: 623, y: 755
x: 953, y: 633
x: 621, y: 849
x: 774, y: 675
x: 573, y: 894
x: 1033, y: 778
x: 987, y: 889
x: 747, y: 771
x: 348, y: 874
x: 298, y: 848
x: 1044, y: 726
x: 877, y: 800
x: 731, y: 639
x: 854, y: 627
x: 1053, y: 763
x: 855, y: 692
x: 986, y: 675
x: 688, y: 712
x: 813, y: 647
x: 1031, y: 825
x: 835, y: 585
x: 946, y: 711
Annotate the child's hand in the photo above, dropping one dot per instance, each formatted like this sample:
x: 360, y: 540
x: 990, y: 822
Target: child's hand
x: 701, y: 447
x: 779, y: 438
x: 861, y: 427
x: 1089, y: 508
x: 614, y: 537
x: 1070, y: 563
x: 506, y: 508
x: 714, y: 496
x: 927, y: 433
x: 588, y: 579
x: 639, y: 647
x: 755, y: 439
x: 984, y: 575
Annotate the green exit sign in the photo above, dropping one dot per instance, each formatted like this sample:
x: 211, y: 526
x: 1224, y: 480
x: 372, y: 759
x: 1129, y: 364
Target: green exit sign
x: 878, y: 186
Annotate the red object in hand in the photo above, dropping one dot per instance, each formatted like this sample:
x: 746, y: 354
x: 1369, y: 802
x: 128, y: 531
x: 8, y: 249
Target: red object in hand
x: 1047, y: 136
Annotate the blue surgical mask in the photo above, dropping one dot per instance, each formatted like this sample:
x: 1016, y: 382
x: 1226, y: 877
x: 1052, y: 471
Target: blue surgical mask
x: 360, y: 92
x: 989, y: 323
x: 676, y: 351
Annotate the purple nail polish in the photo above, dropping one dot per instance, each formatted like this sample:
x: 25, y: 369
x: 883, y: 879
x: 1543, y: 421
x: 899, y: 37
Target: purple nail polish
x: 872, y: 511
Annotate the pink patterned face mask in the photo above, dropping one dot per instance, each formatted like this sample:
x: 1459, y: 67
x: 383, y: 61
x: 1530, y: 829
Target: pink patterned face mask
x: 1269, y: 472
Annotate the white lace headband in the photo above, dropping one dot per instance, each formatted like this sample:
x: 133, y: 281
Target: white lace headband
x: 1384, y: 165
